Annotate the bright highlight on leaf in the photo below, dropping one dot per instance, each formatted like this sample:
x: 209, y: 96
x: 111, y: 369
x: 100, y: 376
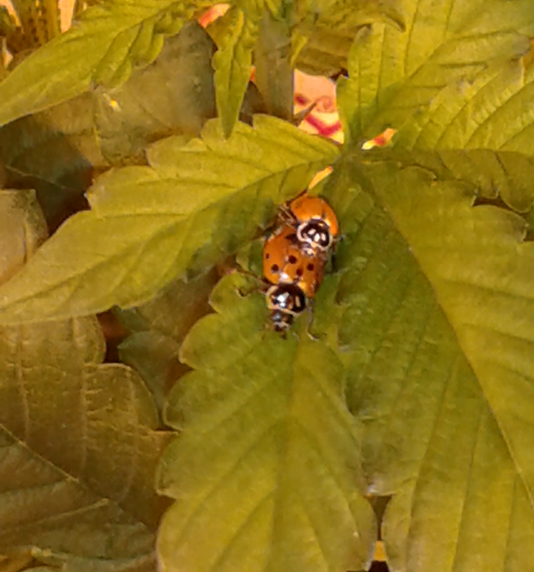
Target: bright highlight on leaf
x: 265, y: 470
x: 381, y: 140
x: 147, y: 225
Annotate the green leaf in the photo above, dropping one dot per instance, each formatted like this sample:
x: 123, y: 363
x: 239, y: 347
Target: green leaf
x: 159, y: 327
x: 325, y: 51
x: 174, y: 95
x: 54, y: 153
x: 233, y: 64
x: 330, y: 28
x: 504, y: 176
x: 155, y: 357
x: 78, y: 438
x: 174, y: 309
x: 267, y: 442
x: 148, y: 225
x: 22, y: 230
x: 481, y: 514
x: 499, y: 281
x: 393, y: 74
x: 274, y: 69
x: 340, y: 13
x: 102, y: 47
x: 491, y: 112
x: 439, y: 323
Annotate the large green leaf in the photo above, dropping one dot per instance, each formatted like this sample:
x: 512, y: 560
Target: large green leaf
x: 233, y: 65
x: 394, y: 74
x: 78, y: 438
x: 484, y: 296
x: 101, y: 47
x: 266, y: 468
x: 159, y: 327
x: 492, y: 112
x: 439, y: 326
x: 174, y: 95
x: 148, y: 225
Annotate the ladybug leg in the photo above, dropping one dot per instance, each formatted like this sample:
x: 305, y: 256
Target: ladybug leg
x: 285, y: 216
x: 244, y: 292
x: 260, y: 286
x: 248, y: 274
x: 309, y: 325
x: 265, y: 330
x: 331, y: 254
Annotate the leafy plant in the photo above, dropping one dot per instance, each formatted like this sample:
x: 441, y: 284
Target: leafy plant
x: 210, y: 443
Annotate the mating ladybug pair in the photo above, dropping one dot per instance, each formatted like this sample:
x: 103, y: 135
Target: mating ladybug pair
x: 294, y: 257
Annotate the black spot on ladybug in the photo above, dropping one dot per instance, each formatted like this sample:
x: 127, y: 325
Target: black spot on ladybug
x: 267, y: 256
x: 292, y: 259
x: 275, y: 268
x: 310, y: 267
x: 300, y: 272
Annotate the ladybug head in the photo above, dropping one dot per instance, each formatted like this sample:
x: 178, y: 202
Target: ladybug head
x: 316, y: 233
x: 281, y: 321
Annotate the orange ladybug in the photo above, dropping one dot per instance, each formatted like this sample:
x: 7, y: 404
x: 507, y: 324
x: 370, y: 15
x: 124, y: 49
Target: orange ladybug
x: 285, y: 262
x: 316, y: 222
x: 285, y: 302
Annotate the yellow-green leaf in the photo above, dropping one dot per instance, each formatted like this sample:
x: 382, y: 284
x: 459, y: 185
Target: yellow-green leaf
x: 394, y: 73
x: 233, y: 65
x: 101, y: 47
x: 438, y: 327
x: 493, y: 111
x: 265, y: 470
x: 77, y: 438
x: 147, y: 225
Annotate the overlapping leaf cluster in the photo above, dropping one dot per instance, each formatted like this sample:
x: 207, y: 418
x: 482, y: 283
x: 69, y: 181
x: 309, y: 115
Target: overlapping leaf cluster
x: 78, y: 438
x: 424, y: 329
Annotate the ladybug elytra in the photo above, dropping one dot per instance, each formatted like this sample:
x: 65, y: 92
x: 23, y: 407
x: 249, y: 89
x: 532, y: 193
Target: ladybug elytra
x: 285, y: 262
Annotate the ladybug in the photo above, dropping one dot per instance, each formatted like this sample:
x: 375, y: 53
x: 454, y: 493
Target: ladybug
x: 285, y: 300
x: 285, y: 262
x: 316, y: 222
